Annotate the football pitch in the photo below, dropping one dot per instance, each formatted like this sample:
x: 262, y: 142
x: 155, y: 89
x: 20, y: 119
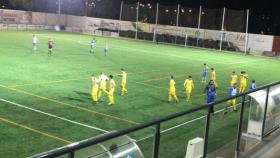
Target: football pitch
x: 45, y: 101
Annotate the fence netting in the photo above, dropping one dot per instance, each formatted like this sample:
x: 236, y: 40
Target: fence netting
x: 219, y: 29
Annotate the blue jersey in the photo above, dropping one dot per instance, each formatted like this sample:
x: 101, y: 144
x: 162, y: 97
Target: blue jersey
x: 210, y: 89
x: 253, y: 86
x: 232, y: 91
x: 205, y: 71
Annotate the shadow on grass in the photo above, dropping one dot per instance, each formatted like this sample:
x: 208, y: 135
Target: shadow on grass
x: 73, y: 99
x: 88, y: 95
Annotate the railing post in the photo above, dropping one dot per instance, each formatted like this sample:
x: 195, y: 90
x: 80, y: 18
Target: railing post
x: 265, y: 111
x: 71, y: 155
x: 206, y: 132
x: 157, y: 141
x: 240, y: 127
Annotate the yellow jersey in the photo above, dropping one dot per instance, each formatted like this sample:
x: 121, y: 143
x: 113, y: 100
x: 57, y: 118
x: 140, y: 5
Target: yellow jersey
x: 112, y: 84
x: 188, y: 84
x: 94, y: 82
x: 233, y: 78
x: 213, y: 75
x: 243, y: 78
x: 123, y: 77
x: 172, y: 84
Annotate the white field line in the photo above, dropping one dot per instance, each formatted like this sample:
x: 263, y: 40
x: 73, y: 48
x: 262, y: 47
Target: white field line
x: 54, y: 116
x: 149, y: 52
x: 196, y: 73
x: 188, y: 122
x: 74, y: 79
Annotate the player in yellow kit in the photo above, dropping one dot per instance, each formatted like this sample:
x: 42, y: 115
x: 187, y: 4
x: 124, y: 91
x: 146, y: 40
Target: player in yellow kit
x: 172, y: 90
x: 102, y: 84
x: 123, y: 76
x: 243, y: 82
x: 94, y: 90
x: 213, y: 77
x: 111, y: 90
x: 233, y: 79
x: 188, y: 87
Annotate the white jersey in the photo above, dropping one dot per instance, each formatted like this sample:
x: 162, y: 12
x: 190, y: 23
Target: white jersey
x: 106, y: 47
x: 92, y: 43
x: 34, y: 40
x: 102, y: 79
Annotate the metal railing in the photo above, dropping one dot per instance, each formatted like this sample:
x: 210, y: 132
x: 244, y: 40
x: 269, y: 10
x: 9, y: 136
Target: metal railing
x: 70, y: 149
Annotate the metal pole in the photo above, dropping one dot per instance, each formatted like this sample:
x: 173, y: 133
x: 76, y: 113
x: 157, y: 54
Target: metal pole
x: 177, y: 21
x: 240, y: 126
x: 199, y: 17
x: 156, y: 23
x: 265, y: 111
x: 119, y: 30
x: 137, y: 16
x: 198, y: 27
x: 59, y: 7
x: 157, y: 141
x: 222, y: 32
x: 71, y: 155
x: 178, y: 13
x: 206, y: 132
x: 246, y: 34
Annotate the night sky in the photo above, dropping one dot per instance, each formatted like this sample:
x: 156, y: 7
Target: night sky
x: 264, y: 15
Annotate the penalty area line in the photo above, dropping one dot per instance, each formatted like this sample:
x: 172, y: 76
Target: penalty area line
x: 54, y: 116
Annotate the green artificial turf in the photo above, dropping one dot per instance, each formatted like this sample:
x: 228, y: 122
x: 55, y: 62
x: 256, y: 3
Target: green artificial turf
x: 60, y: 84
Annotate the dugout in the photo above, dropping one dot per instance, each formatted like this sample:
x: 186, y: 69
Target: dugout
x: 264, y: 113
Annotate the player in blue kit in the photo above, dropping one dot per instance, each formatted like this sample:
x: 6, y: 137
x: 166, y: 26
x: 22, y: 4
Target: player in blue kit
x: 253, y: 85
x: 204, y: 74
x: 210, y: 90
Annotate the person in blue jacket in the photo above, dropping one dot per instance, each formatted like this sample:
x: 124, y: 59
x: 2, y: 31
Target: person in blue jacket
x: 210, y: 90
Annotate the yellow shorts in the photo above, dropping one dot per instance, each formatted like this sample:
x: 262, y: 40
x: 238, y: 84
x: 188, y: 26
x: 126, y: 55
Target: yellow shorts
x: 188, y: 91
x: 231, y: 102
x: 232, y: 83
x: 103, y: 87
x: 123, y: 84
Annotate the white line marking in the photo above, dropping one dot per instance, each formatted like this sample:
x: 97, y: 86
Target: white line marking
x: 51, y: 115
x: 188, y: 122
